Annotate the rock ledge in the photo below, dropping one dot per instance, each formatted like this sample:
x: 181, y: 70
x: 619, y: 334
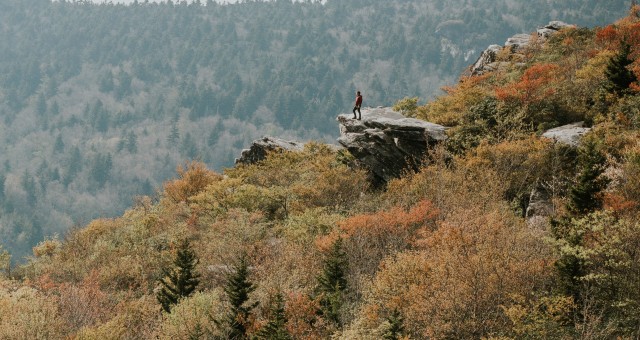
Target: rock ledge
x: 387, y: 143
x: 260, y: 147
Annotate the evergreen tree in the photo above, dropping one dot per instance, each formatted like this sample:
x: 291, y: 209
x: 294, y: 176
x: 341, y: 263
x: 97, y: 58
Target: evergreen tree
x: 101, y: 169
x: 618, y: 73
x: 74, y: 166
x: 181, y: 280
x: 585, y: 194
x: 238, y: 287
x: 29, y: 186
x: 132, y: 142
x: 396, y: 327
x: 2, y: 179
x: 569, y: 266
x: 58, y: 146
x: 174, y: 135
x: 333, y: 282
x: 275, y: 329
x: 584, y: 198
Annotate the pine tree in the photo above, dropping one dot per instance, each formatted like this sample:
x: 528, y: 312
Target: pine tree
x: 181, y: 280
x: 396, y: 326
x: 585, y: 194
x: 238, y: 287
x: 275, y: 329
x: 584, y: 198
x: 569, y: 266
x: 174, y: 135
x: 58, y: 146
x: 2, y: 179
x: 333, y: 282
x: 618, y: 73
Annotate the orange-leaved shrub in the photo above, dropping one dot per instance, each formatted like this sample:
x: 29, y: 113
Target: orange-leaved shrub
x: 454, y: 284
x: 369, y: 238
x: 193, y: 177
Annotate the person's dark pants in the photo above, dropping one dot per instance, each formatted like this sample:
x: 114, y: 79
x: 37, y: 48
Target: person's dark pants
x: 354, y: 112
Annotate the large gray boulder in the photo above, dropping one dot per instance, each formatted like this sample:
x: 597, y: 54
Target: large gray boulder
x: 551, y: 28
x: 569, y: 134
x: 518, y: 42
x: 261, y: 147
x: 387, y: 143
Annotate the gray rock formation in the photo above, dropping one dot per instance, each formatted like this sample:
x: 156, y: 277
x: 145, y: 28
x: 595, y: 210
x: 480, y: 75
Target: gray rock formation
x: 487, y: 58
x: 553, y: 27
x: 487, y: 61
x: 518, y: 42
x: 259, y: 149
x: 540, y: 201
x: 388, y: 143
x: 540, y: 204
x: 568, y: 134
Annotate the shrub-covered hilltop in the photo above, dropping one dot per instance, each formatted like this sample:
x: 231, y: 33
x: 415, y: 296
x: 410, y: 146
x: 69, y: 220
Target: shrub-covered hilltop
x: 299, y: 246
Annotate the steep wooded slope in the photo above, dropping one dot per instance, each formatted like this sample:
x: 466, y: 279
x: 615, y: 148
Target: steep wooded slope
x: 440, y: 253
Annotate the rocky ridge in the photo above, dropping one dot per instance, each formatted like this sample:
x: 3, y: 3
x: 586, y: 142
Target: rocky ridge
x: 488, y: 60
x: 387, y: 144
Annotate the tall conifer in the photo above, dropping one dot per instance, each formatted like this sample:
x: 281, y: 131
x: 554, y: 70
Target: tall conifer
x: 585, y: 194
x: 181, y: 280
x: 238, y: 287
x: 618, y: 74
x: 333, y: 282
x: 275, y: 329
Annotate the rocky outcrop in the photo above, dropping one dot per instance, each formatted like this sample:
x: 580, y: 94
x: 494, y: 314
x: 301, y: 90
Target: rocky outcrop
x: 568, y: 134
x: 486, y: 61
x: 388, y: 143
x: 553, y: 27
x: 384, y: 142
x: 540, y: 205
x: 518, y: 42
x: 261, y: 147
x: 488, y: 58
x: 540, y: 201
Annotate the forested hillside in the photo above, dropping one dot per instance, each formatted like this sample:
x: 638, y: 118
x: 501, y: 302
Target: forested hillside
x: 100, y: 103
x: 299, y: 246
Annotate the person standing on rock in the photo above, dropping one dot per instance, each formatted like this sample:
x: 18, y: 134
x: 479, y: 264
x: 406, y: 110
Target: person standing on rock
x: 357, y: 106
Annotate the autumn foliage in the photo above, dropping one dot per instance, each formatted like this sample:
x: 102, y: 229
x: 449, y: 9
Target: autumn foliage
x: 495, y: 237
x: 192, y: 178
x: 536, y: 84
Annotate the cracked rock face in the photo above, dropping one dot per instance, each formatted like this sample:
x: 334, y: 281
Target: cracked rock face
x: 387, y: 143
x: 260, y: 147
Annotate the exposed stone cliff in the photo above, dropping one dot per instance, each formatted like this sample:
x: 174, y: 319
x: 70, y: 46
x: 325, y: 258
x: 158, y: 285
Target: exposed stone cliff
x: 388, y: 143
